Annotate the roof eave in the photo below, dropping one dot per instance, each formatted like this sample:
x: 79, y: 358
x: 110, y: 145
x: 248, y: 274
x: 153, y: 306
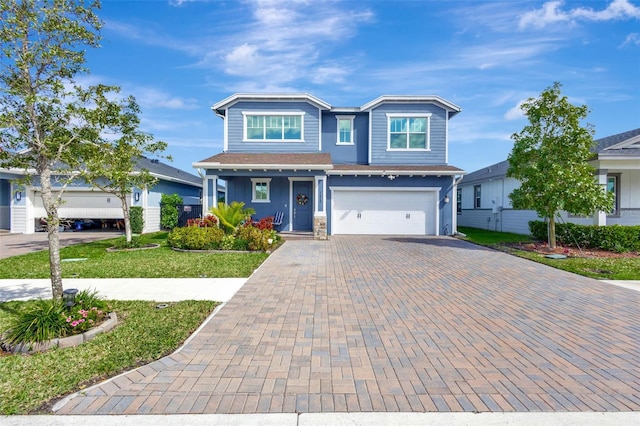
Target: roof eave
x: 385, y: 172
x: 220, y: 166
x: 227, y: 102
x: 449, y: 106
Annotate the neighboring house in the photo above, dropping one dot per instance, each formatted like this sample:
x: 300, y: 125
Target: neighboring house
x: 82, y: 202
x: 483, y: 196
x: 5, y: 198
x: 380, y: 168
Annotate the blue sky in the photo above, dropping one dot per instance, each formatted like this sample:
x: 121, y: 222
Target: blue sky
x: 180, y: 57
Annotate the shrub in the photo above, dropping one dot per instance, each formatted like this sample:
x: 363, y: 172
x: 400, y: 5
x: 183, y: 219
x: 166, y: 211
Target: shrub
x: 208, y: 221
x: 89, y: 311
x: 195, y: 238
x: 266, y: 223
x: 614, y: 237
x: 44, y: 320
x: 137, y: 219
x: 256, y: 239
x: 169, y: 210
x: 232, y: 215
x: 39, y: 322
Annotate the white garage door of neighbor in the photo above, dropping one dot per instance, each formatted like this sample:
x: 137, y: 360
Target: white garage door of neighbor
x: 84, y: 205
x: 384, y: 212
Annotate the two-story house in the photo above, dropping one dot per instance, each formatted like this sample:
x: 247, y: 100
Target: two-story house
x: 380, y: 168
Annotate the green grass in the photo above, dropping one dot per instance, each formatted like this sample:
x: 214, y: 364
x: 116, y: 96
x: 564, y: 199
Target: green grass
x: 490, y: 238
x: 144, y: 334
x: 600, y: 268
x: 156, y: 263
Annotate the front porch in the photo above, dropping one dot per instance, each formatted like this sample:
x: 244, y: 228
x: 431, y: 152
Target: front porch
x: 297, y: 189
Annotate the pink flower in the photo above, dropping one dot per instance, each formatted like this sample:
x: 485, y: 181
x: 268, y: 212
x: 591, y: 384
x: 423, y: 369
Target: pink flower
x: 68, y: 319
x: 75, y: 323
x: 84, y: 314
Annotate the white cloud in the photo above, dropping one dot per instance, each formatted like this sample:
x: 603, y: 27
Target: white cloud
x: 154, y: 98
x: 551, y: 13
x: 515, y: 113
x: 632, y: 39
x: 287, y: 41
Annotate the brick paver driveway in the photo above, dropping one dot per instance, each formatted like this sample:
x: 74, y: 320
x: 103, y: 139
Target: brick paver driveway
x: 397, y: 324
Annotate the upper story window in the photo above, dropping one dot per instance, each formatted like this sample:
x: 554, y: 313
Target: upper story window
x: 476, y: 197
x: 345, y: 129
x: 409, y: 132
x: 271, y: 127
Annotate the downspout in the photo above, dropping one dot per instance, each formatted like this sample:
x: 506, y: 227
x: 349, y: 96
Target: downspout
x: 454, y: 211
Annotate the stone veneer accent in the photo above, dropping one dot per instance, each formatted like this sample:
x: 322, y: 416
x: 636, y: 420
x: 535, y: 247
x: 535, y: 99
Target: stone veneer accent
x: 320, y: 228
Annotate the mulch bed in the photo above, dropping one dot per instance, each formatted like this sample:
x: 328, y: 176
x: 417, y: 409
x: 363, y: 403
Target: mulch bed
x: 590, y: 253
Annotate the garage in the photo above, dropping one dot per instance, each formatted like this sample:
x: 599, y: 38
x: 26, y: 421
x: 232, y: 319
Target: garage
x: 83, y: 205
x: 384, y: 211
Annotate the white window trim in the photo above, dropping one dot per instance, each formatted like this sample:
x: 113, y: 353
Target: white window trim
x: 254, y: 181
x: 351, y: 118
x: 301, y: 114
x: 426, y: 115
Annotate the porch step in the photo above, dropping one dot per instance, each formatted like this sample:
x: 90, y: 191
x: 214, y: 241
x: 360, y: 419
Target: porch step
x: 296, y: 235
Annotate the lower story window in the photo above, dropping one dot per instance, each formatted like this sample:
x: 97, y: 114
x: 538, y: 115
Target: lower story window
x: 260, y: 190
x: 476, y: 197
x: 612, y: 186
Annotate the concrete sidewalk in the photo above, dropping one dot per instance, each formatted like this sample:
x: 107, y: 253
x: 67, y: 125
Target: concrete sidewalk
x: 158, y: 289
x: 337, y: 419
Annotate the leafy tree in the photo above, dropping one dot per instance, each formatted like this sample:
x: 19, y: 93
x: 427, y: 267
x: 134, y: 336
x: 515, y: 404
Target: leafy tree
x: 550, y: 158
x: 119, y: 174
x: 43, y: 118
x: 231, y: 215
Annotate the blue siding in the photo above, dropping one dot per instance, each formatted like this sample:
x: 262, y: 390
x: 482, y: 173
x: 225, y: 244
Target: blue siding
x: 379, y: 153
x: 346, y: 154
x: 444, y: 183
x: 5, y: 192
x: 190, y: 194
x: 239, y: 189
x: 235, y: 129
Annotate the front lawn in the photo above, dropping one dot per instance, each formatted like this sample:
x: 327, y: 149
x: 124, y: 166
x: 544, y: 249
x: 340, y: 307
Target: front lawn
x: 156, y: 263
x: 144, y: 334
x: 604, y: 268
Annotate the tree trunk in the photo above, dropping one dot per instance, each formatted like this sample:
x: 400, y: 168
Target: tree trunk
x: 127, y: 219
x: 53, y: 222
x: 552, y: 232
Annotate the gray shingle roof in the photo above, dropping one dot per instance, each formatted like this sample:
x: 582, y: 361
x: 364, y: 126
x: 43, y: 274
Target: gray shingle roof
x: 161, y: 170
x: 604, y: 143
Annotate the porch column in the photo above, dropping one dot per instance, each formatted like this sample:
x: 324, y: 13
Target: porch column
x: 600, y: 217
x: 209, y: 193
x: 320, y: 209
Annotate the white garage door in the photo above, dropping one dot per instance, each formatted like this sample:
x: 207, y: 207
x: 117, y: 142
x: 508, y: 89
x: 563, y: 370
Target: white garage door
x: 381, y: 211
x: 84, y: 205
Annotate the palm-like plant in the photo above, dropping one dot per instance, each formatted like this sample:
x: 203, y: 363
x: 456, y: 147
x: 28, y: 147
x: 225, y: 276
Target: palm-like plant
x: 231, y: 215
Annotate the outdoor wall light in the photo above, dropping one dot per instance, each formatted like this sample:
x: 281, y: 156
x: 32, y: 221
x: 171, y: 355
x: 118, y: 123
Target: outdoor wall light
x: 69, y: 297
x: 446, y: 198
x: 18, y: 196
x: 136, y: 196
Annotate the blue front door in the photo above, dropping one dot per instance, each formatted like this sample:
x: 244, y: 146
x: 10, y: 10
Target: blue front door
x: 302, y: 206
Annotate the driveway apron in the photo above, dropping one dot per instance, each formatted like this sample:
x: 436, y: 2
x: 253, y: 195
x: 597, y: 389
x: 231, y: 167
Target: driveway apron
x: 397, y: 324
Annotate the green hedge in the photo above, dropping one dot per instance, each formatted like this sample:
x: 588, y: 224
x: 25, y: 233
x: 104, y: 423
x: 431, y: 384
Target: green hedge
x: 207, y: 238
x: 137, y: 219
x: 614, y: 237
x: 195, y: 238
